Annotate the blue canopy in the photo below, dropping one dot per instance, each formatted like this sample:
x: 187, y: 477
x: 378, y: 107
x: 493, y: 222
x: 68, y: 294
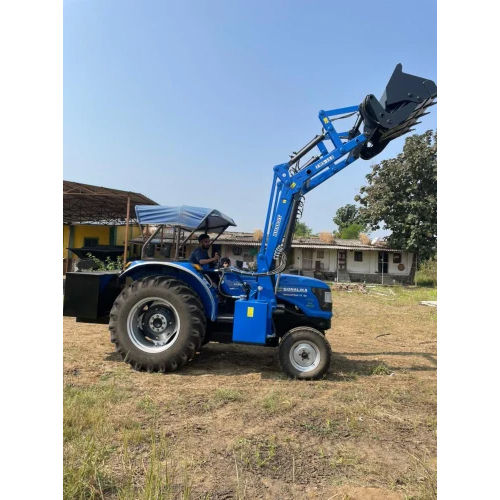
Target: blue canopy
x: 189, y: 218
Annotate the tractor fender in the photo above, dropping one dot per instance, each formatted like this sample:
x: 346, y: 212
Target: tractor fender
x: 183, y: 271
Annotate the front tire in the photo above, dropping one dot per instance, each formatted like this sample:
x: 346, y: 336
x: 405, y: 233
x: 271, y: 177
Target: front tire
x: 157, y: 324
x: 304, y: 353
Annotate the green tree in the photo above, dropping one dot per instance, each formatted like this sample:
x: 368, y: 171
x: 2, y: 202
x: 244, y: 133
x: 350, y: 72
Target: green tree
x: 346, y: 216
x: 351, y: 232
x: 401, y: 196
x: 302, y: 230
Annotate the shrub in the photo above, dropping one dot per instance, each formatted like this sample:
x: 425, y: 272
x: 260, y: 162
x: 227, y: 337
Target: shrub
x: 108, y: 264
x: 427, y: 273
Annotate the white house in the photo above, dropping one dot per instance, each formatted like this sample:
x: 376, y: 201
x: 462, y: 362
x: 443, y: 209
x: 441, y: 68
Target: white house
x: 334, y: 260
x: 352, y: 260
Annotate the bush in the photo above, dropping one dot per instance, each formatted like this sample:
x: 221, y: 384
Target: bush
x: 427, y: 273
x: 108, y: 264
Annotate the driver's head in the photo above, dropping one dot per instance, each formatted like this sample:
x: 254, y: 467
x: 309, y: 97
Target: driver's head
x: 204, y: 240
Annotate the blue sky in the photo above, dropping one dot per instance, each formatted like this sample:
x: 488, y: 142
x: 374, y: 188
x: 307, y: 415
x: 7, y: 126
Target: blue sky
x: 195, y: 102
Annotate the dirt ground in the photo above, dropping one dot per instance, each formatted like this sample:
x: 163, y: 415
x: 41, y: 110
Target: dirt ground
x: 231, y: 425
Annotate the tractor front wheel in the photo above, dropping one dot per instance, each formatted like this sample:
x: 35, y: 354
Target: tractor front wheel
x: 157, y: 324
x: 304, y: 353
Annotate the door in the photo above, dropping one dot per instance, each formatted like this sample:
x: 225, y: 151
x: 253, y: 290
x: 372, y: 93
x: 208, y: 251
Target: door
x: 342, y: 256
x: 383, y: 262
x: 307, y: 259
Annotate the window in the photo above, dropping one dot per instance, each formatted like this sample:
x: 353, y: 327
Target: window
x: 396, y: 258
x: 90, y: 242
x: 237, y: 250
x: 320, y: 254
x: 358, y: 256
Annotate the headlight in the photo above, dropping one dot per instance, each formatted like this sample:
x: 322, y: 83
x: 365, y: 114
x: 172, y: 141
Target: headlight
x: 324, y: 297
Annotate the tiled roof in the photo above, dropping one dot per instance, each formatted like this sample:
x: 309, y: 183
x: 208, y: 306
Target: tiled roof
x: 248, y: 239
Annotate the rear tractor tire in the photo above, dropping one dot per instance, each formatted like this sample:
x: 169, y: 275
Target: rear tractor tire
x: 304, y: 353
x: 157, y: 324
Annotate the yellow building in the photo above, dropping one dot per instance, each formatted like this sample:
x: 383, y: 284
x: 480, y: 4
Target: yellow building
x: 84, y: 235
x: 98, y: 216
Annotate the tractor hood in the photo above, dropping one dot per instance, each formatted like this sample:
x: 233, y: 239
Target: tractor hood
x: 310, y: 295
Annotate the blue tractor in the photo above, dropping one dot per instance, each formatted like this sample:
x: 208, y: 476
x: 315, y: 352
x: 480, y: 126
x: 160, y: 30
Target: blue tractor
x: 162, y: 312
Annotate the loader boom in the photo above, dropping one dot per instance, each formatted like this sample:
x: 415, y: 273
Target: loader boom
x: 404, y: 101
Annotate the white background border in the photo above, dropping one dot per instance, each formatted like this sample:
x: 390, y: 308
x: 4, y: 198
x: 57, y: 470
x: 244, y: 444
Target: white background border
x: 31, y: 160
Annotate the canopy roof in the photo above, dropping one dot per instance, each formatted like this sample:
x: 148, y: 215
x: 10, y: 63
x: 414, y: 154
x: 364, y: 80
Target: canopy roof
x: 87, y: 204
x: 189, y: 218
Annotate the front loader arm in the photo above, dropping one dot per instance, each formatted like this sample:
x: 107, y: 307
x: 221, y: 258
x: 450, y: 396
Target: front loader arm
x: 404, y: 101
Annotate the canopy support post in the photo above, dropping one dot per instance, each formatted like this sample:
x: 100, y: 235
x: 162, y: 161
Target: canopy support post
x: 143, y: 251
x: 126, y: 230
x: 71, y: 240
x: 177, y: 241
x: 188, y: 236
x: 215, y: 239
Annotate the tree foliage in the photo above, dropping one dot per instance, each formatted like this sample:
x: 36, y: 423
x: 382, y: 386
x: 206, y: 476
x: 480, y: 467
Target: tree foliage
x: 302, y: 230
x: 351, y: 232
x: 401, y: 196
x: 346, y: 216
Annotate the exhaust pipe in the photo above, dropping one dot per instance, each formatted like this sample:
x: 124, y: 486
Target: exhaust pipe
x: 404, y: 101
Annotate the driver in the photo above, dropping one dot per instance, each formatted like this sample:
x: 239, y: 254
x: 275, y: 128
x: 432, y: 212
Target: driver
x: 200, y: 254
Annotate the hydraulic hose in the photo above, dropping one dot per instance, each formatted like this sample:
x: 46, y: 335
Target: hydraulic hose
x: 278, y: 269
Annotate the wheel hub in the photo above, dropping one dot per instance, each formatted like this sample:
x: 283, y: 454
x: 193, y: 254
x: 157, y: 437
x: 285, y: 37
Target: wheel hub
x: 153, y: 324
x: 158, y: 321
x: 304, y: 356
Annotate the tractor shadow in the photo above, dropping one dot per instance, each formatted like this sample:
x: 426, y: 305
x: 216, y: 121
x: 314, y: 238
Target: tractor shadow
x: 236, y: 359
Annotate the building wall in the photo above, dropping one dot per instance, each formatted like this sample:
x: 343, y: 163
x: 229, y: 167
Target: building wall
x: 248, y: 253
x: 134, y: 231
x: 328, y: 261
x: 406, y: 260
x: 99, y: 232
x: 369, y: 264
x: 365, y: 266
x: 80, y: 232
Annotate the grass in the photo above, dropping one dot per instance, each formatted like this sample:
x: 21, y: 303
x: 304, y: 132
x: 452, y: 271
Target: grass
x: 103, y: 452
x: 381, y: 369
x: 426, y: 276
x: 256, y: 452
x: 228, y: 396
x: 84, y: 472
x: 229, y: 425
x: 276, y: 402
x: 402, y: 295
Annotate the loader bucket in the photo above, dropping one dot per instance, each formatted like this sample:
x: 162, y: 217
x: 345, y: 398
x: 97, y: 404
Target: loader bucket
x: 404, y: 101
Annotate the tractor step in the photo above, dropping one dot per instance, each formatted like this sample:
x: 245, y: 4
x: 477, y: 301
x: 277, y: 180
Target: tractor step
x: 225, y: 318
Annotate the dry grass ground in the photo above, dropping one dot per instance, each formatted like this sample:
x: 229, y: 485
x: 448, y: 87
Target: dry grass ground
x: 230, y: 425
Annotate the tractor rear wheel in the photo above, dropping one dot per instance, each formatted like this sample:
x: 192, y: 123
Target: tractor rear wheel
x: 304, y: 353
x: 157, y: 324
